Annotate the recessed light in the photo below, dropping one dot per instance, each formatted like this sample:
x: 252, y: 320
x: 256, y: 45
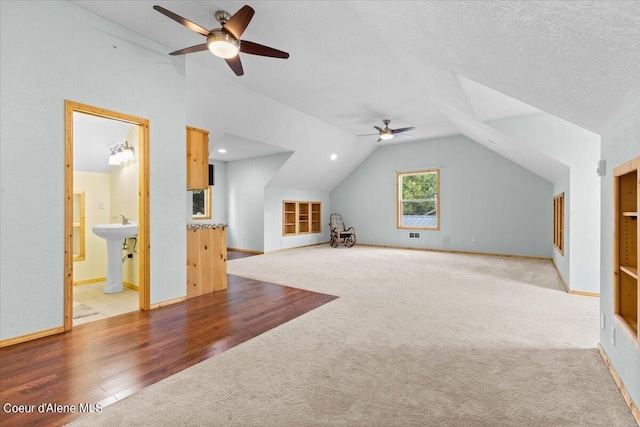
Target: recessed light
x: 334, y: 156
x: 222, y: 150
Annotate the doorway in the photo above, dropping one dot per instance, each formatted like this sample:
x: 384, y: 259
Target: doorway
x: 140, y: 245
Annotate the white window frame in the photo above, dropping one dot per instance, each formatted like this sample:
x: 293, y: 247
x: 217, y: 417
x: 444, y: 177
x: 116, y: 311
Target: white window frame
x: 400, y: 201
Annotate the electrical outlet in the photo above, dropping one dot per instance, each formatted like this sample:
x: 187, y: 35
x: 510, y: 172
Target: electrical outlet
x: 100, y: 205
x: 474, y: 239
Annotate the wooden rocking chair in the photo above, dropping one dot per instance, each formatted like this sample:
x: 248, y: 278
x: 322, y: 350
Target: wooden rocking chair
x: 340, y: 235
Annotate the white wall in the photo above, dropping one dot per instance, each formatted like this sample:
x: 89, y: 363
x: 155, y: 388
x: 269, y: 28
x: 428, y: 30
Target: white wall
x: 253, y: 116
x: 246, y: 182
x: 84, y: 58
x: 580, y: 150
x: 273, y: 198
x: 482, y: 195
x: 620, y: 144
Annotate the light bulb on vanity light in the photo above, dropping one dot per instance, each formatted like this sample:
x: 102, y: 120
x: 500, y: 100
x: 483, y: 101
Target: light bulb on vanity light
x: 127, y: 152
x: 113, y: 158
x: 222, y: 150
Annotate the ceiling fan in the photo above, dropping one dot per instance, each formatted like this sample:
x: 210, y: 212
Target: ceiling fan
x: 225, y: 42
x: 387, y: 133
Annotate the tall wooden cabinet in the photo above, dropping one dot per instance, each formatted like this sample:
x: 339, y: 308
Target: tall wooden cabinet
x: 197, y: 159
x: 626, y: 256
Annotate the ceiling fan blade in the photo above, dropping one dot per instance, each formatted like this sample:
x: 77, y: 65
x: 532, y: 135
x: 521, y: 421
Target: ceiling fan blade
x: 369, y: 134
x: 379, y: 129
x: 403, y: 129
x: 190, y: 25
x: 258, y: 49
x: 379, y: 139
x: 196, y: 48
x: 239, y: 21
x: 235, y: 65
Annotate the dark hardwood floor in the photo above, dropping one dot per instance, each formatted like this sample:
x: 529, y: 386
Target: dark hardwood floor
x: 104, y: 361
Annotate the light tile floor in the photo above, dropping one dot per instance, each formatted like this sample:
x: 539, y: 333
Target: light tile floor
x: 106, y: 305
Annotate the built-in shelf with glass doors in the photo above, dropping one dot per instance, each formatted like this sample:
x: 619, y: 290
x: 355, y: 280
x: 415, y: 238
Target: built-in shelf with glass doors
x: 300, y: 217
x: 626, y: 256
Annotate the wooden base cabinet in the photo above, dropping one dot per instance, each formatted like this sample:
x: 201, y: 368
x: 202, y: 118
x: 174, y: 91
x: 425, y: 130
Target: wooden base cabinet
x: 626, y: 256
x: 206, y: 260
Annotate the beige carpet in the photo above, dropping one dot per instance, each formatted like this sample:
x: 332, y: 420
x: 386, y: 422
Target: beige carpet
x: 416, y: 338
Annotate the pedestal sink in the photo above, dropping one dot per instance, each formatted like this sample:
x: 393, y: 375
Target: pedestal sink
x: 113, y: 234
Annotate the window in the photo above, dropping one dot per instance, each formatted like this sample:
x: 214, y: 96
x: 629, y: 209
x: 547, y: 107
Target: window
x: 418, y: 199
x: 558, y: 222
x: 201, y: 204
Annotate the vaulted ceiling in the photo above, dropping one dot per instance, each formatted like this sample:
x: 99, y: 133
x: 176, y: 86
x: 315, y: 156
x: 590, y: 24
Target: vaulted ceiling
x: 442, y: 66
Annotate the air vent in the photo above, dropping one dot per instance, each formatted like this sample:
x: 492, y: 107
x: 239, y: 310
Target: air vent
x: 415, y: 235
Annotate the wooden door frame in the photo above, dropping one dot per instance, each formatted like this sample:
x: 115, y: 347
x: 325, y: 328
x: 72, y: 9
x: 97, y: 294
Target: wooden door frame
x: 143, y: 203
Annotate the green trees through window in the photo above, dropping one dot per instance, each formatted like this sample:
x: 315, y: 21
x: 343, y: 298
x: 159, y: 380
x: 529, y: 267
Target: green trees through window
x: 418, y: 199
x: 201, y: 204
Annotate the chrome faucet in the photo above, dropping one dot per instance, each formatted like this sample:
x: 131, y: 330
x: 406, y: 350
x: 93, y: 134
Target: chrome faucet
x: 125, y: 220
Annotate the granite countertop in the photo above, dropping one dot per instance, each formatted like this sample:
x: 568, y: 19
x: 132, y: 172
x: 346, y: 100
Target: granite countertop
x: 198, y: 226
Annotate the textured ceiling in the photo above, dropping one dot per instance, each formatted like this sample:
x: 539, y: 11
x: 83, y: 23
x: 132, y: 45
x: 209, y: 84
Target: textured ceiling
x: 441, y: 66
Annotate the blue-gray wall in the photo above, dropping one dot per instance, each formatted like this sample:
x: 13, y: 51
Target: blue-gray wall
x: 579, y: 149
x: 620, y: 144
x: 246, y: 182
x: 273, y: 238
x: 505, y: 207
x: 76, y: 55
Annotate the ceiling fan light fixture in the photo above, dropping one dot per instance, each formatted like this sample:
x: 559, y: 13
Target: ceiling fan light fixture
x: 222, y: 44
x: 385, y: 135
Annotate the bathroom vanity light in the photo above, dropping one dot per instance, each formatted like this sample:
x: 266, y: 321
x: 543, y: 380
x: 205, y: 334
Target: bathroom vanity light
x: 121, y: 153
x: 127, y: 152
x: 113, y: 158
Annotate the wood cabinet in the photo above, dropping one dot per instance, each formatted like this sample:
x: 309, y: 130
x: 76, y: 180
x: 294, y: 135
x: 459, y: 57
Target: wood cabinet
x: 315, y: 217
x: 289, y: 214
x: 303, y: 217
x: 300, y: 217
x: 206, y: 260
x: 197, y: 159
x: 626, y: 256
